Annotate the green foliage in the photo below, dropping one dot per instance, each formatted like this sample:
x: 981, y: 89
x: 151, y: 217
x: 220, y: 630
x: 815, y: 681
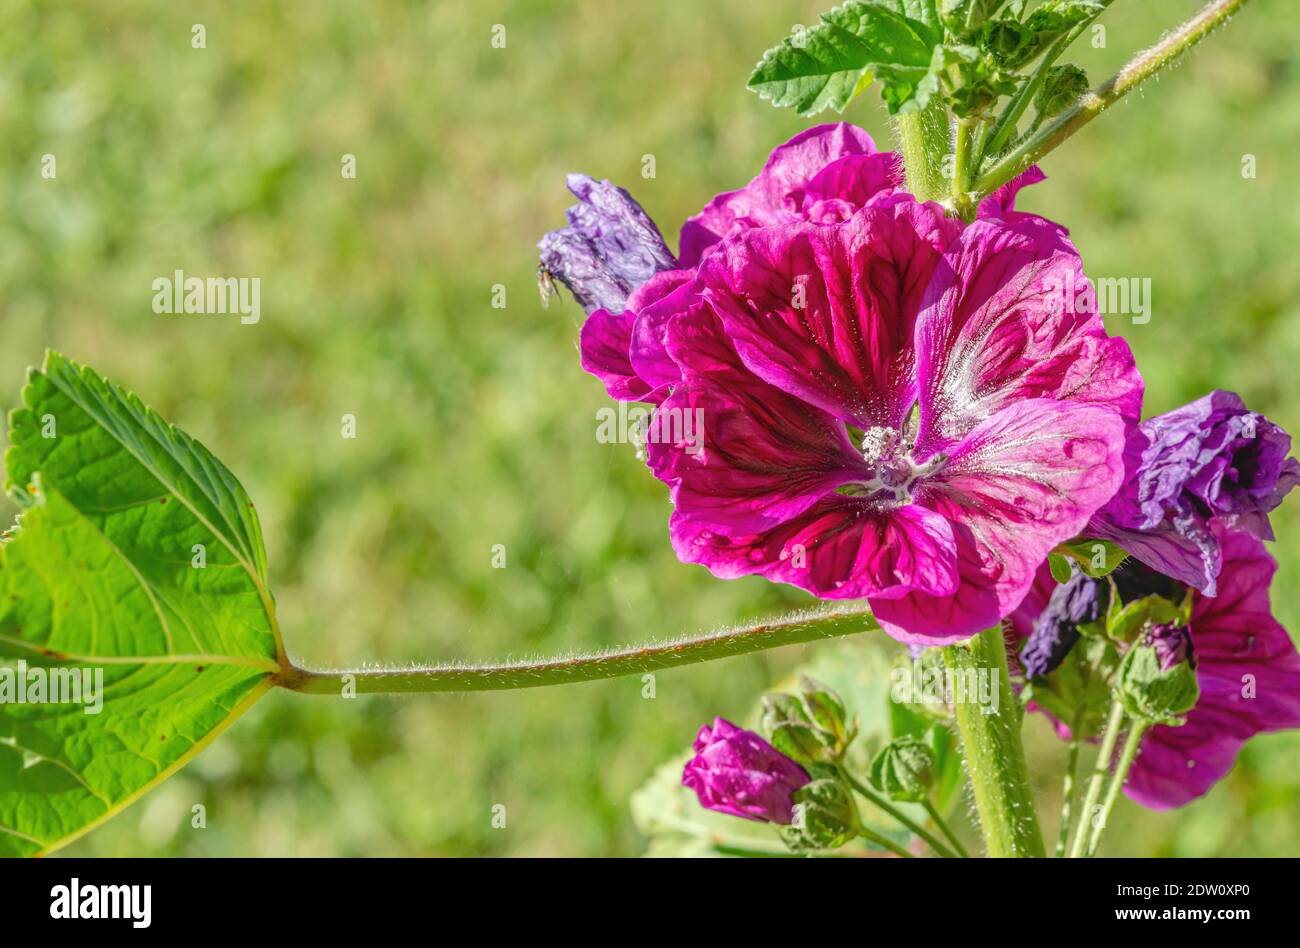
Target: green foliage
x: 138, y: 562
x: 827, y: 65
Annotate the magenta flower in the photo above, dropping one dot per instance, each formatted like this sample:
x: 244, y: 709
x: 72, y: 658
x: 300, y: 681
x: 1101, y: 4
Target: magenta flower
x: 735, y: 771
x: 1211, y: 459
x: 824, y: 175
x: 921, y: 432
x: 895, y: 406
x: 1249, y: 674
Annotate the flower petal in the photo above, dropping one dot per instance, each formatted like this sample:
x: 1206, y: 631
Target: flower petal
x: 608, y: 348
x: 777, y: 192
x: 1249, y: 673
x: 1018, y: 485
x: 999, y: 325
x: 827, y: 313
x: 1002, y: 202
x: 741, y: 456
x: 842, y: 548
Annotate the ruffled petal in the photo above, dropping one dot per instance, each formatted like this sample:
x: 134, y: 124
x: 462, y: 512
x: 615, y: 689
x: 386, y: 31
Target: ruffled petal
x: 606, y: 343
x: 827, y: 313
x: 776, y: 194
x: 656, y: 304
x: 848, y: 184
x: 996, y: 328
x: 1002, y: 202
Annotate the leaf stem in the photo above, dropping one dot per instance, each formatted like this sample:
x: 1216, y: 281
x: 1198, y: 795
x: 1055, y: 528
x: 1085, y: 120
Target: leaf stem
x: 911, y: 825
x: 1071, y: 778
x: 940, y: 822
x: 1114, y: 724
x: 801, y: 627
x: 1141, y: 68
x: 893, y: 847
x: 962, y: 167
x: 1126, y: 758
x: 995, y: 757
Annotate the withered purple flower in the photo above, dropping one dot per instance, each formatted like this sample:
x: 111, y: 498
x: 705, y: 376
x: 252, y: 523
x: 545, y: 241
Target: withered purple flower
x: 1212, y: 459
x: 1056, y: 630
x: 610, y: 247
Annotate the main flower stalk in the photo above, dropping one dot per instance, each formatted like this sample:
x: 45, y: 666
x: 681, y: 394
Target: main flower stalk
x: 995, y: 756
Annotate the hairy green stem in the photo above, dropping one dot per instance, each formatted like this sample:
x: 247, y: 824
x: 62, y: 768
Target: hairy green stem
x: 893, y: 847
x: 801, y: 627
x: 911, y: 825
x: 1114, y: 724
x: 995, y: 757
x: 1071, y: 778
x: 1126, y: 758
x: 937, y: 818
x: 923, y: 143
x: 962, y: 167
x: 1141, y: 68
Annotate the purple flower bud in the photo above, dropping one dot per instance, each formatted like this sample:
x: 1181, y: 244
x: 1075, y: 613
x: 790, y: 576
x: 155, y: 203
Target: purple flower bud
x: 1172, y: 644
x: 737, y: 772
x: 610, y: 247
x: 1056, y: 630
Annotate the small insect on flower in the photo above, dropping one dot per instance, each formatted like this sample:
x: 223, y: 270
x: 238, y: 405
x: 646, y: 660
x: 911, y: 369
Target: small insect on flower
x: 546, y: 285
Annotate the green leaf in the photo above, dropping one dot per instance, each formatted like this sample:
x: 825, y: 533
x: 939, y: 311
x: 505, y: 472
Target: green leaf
x: 140, y: 559
x: 830, y: 63
x: 1096, y: 558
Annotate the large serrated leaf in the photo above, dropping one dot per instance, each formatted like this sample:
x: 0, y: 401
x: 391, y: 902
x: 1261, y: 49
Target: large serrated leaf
x: 139, y: 557
x: 828, y: 64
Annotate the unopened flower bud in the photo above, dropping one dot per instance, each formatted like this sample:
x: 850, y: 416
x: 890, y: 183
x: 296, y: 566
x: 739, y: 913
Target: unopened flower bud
x: 904, y: 770
x: 1062, y: 87
x: 826, y: 708
x: 790, y: 728
x: 737, y: 772
x: 824, y: 816
x: 1157, y: 679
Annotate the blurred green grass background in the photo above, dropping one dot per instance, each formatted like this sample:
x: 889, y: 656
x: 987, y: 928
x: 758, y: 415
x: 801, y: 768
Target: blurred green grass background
x: 475, y: 425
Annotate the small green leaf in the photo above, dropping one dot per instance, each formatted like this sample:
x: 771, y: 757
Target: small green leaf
x: 1096, y: 558
x: 1060, y: 567
x: 829, y: 64
x: 138, y: 562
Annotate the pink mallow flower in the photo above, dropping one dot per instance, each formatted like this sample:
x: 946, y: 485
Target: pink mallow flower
x: 1249, y: 674
x: 895, y: 406
x: 735, y: 771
